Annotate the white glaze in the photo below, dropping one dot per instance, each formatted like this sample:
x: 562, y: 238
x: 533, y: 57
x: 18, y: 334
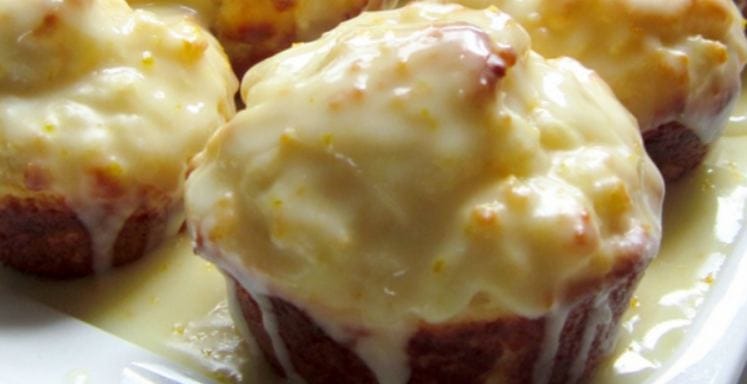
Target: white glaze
x: 554, y: 324
x: 667, y: 61
x: 600, y: 320
x: 95, y: 105
x: 220, y: 207
x: 104, y: 228
x: 270, y: 324
x: 385, y: 354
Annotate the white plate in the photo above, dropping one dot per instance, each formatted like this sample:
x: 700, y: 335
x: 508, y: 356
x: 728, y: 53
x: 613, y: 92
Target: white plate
x: 41, y: 345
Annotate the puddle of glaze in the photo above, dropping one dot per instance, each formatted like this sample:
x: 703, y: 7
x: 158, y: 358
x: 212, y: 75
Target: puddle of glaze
x: 703, y: 216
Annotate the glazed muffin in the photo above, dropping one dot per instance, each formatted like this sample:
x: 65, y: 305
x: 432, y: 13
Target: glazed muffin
x: 674, y: 64
x: 419, y: 197
x: 252, y: 30
x: 101, y: 108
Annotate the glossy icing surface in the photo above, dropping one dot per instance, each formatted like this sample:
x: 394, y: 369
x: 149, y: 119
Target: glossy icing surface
x: 325, y: 195
x: 100, y: 105
x: 667, y: 61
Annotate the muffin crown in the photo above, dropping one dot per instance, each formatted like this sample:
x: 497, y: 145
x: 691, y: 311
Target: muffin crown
x: 424, y: 164
x: 667, y: 61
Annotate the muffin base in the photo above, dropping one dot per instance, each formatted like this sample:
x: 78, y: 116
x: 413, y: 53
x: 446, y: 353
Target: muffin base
x: 507, y: 349
x: 44, y: 237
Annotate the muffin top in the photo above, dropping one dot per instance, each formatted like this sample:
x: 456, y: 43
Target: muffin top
x: 667, y: 61
x: 424, y: 163
x: 98, y: 101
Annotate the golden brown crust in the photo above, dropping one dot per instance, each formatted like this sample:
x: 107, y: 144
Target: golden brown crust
x: 471, y: 352
x: 675, y: 149
x: 251, y: 31
x: 41, y: 235
x: 503, y: 350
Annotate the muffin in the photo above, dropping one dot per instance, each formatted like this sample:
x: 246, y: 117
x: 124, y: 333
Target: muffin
x: 674, y: 64
x: 101, y: 108
x: 251, y: 30
x: 419, y: 197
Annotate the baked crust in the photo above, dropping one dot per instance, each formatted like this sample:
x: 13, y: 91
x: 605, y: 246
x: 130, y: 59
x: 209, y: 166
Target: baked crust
x: 314, y: 355
x: 251, y: 31
x: 503, y: 350
x: 42, y: 235
x: 675, y: 149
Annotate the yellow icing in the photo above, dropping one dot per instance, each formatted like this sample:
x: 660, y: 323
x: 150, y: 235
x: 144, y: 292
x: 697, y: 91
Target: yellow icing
x: 378, y: 167
x: 674, y: 60
x: 103, y: 105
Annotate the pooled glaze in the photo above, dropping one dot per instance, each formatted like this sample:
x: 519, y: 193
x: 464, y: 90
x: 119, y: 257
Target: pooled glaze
x: 104, y: 106
x: 410, y: 149
x: 667, y: 61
